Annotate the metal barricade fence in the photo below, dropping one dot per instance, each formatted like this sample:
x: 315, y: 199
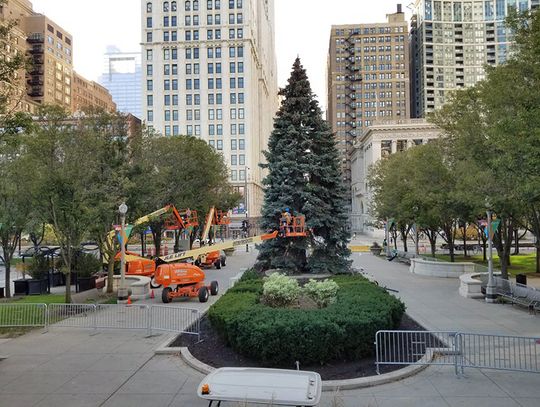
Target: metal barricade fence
x: 71, y: 315
x: 23, y: 315
x: 461, y: 349
x: 184, y: 320
x: 499, y: 352
x: 414, y: 348
x: 118, y: 316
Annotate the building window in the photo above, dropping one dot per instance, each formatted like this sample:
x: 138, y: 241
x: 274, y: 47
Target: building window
x: 233, y: 129
x: 242, y: 159
x: 195, y: 20
x: 197, y: 129
x: 150, y: 100
x: 219, y: 129
x: 218, y: 52
x: 232, y: 83
x: 175, y: 100
x: 188, y: 53
x: 167, y: 115
x: 209, y: 34
x: 217, y: 4
x: 210, y: 68
x: 211, y: 99
x: 196, y: 5
x: 217, y: 19
x: 242, y: 176
x: 218, y: 34
x: 148, y: 22
x: 175, y: 115
x: 166, y: 21
x: 150, y: 115
x: 219, y: 99
x: 195, y: 53
x: 211, y: 114
x: 187, y: 35
x: 189, y: 115
x: 167, y: 84
x: 149, y: 70
x: 166, y: 6
x: 209, y: 19
x: 240, y: 33
x: 167, y: 100
x: 173, y: 6
x: 234, y: 146
x: 219, y: 114
x: 219, y: 145
x: 149, y: 37
x: 231, y: 4
x: 176, y: 130
x: 149, y: 84
x: 241, y: 129
x: 174, y: 35
x: 218, y: 67
x: 166, y: 36
x: 174, y: 21
x: 196, y: 84
x: 238, y: 3
x: 149, y: 7
x: 189, y: 129
x: 209, y: 5
x: 241, y: 113
x: 232, y: 67
x: 211, y: 129
x: 239, y: 18
x: 188, y: 6
x: 241, y: 98
x: 231, y: 33
x: 241, y: 144
x: 187, y: 20
x: 149, y: 54
x: 240, y: 83
x: 234, y: 176
x: 174, y: 69
x: 197, y: 99
x: 240, y: 52
x: 189, y: 100
x: 234, y: 159
x: 188, y: 84
x: 175, y: 84
x: 231, y: 18
x: 210, y: 52
x: 240, y: 67
x: 210, y: 83
x: 233, y: 113
x: 232, y: 52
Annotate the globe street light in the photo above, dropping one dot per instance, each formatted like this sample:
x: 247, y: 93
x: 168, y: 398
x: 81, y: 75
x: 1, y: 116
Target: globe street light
x: 122, y: 289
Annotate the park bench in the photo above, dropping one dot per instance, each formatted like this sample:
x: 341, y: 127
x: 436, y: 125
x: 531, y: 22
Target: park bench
x: 278, y: 387
x: 519, y: 294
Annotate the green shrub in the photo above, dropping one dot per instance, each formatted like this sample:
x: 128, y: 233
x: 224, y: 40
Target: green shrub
x: 344, y: 330
x: 280, y: 290
x: 250, y: 274
x: 323, y: 293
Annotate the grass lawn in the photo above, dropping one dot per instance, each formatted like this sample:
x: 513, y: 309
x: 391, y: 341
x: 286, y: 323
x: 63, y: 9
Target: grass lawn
x: 522, y: 263
x: 39, y: 299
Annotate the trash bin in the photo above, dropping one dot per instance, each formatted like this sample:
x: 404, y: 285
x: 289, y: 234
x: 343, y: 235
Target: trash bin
x: 521, y: 279
x: 1, y: 292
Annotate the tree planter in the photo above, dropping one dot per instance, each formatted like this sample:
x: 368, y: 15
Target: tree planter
x: 376, y: 251
x: 57, y: 279
x: 86, y: 283
x: 21, y: 287
x: 37, y: 287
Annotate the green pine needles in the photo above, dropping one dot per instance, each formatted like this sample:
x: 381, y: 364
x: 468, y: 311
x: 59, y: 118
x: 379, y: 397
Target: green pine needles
x: 304, y: 175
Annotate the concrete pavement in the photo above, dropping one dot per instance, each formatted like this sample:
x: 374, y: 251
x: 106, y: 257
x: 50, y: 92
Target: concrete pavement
x: 118, y: 368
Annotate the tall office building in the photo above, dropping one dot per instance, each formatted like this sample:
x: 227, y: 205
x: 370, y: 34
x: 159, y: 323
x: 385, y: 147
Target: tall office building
x: 210, y: 71
x: 452, y: 41
x: 51, y: 51
x: 368, y: 79
x: 122, y: 76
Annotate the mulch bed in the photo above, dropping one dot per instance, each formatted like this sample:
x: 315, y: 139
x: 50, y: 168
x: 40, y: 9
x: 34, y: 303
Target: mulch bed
x: 213, y: 351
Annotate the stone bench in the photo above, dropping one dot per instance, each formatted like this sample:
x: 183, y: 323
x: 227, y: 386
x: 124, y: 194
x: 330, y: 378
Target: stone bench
x: 138, y: 285
x: 441, y: 269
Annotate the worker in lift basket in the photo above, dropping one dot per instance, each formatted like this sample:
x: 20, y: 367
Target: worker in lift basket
x: 285, y: 221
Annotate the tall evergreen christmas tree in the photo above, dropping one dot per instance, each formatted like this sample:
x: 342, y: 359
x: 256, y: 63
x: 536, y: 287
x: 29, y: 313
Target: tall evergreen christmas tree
x: 304, y: 176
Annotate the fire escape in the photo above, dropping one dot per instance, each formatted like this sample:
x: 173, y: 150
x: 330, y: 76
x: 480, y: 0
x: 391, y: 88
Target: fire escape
x: 353, y: 88
x: 35, y: 74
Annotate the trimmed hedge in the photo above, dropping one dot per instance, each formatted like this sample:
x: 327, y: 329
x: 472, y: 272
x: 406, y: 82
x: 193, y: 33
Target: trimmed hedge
x: 344, y: 330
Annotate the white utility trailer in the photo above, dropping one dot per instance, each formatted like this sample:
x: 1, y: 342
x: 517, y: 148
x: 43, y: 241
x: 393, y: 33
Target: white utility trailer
x: 277, y: 387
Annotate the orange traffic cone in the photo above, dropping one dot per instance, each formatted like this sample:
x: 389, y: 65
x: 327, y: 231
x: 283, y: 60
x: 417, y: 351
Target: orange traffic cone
x: 129, y: 300
x: 152, y: 296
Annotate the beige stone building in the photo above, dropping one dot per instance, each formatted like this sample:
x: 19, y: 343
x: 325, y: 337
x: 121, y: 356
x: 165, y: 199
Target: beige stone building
x: 209, y: 71
x: 89, y: 94
x: 382, y: 138
x: 16, y: 11
x: 368, y: 79
x: 50, y: 77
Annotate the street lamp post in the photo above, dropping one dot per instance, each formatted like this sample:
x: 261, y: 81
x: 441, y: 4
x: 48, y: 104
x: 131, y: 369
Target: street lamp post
x: 246, y: 205
x: 491, y: 296
x: 122, y: 289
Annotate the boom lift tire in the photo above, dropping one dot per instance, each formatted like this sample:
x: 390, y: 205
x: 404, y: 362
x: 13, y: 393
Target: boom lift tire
x: 214, y: 288
x: 223, y: 261
x: 203, y: 294
x: 218, y: 264
x: 165, y: 295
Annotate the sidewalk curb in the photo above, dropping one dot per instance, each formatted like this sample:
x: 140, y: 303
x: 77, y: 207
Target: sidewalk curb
x: 327, y: 385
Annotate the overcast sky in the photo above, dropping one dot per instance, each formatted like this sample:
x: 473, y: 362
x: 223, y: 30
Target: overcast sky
x: 302, y: 28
